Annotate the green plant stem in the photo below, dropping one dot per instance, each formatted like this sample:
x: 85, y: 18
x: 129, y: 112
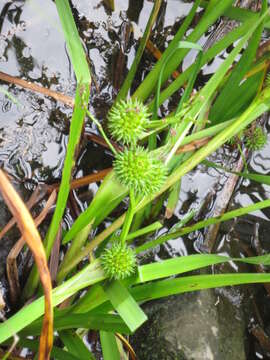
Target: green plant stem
x: 149, y: 83
x: 180, y: 45
x: 173, y: 199
x: 92, y: 245
x: 183, y: 129
x: 11, y: 97
x: 243, y: 157
x: 210, y: 131
x: 101, y: 131
x: 160, y: 124
x: 75, y: 247
x: 191, y: 81
x: 239, y: 14
x: 129, y: 217
x: 146, y: 230
x: 128, y: 80
x: 222, y: 44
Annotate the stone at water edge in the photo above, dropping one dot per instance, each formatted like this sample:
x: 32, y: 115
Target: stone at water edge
x: 192, y: 326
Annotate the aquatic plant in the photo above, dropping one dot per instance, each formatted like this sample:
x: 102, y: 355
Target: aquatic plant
x: 140, y: 177
x: 140, y: 170
x: 256, y: 140
x: 128, y: 120
x: 118, y: 261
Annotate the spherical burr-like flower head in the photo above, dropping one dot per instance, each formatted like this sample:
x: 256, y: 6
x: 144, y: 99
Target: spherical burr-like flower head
x: 256, y: 140
x: 119, y: 261
x: 127, y: 121
x: 140, y: 170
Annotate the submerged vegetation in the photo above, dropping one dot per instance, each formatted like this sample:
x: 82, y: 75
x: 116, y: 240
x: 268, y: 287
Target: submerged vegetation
x: 100, y: 283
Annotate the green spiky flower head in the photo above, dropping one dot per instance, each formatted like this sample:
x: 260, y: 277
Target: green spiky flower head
x: 119, y: 261
x: 236, y: 139
x: 256, y: 140
x: 140, y: 170
x: 127, y: 121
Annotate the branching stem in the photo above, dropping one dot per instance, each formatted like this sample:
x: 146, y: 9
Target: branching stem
x: 100, y: 128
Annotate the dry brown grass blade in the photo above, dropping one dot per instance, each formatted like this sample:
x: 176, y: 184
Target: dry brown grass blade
x: 32, y: 237
x: 127, y: 346
x: 54, y: 257
x: 100, y: 141
x: 12, y: 271
x: 11, y: 265
x: 157, y: 55
x: 83, y: 181
x: 194, y: 145
x: 261, y: 336
x: 264, y: 47
x: 37, y: 195
x: 69, y: 101
x: 89, y: 179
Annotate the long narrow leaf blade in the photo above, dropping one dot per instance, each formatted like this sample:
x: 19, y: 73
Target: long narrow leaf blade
x: 125, y: 305
x: 109, y: 346
x: 204, y: 223
x: 57, y: 353
x: 226, y: 96
x: 130, y: 76
x: 86, y: 320
x: 165, y: 288
x: 74, y: 45
x: 188, y: 263
x: 260, y: 178
x: 75, y: 345
x: 82, y: 72
x: 209, y: 17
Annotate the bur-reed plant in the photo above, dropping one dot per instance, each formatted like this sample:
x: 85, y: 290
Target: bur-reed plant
x: 115, y: 284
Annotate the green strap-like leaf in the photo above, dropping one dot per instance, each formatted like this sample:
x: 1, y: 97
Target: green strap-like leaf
x: 226, y: 96
x: 125, y: 305
x: 56, y: 352
x: 210, y: 54
x: 204, y: 223
x: 83, y: 76
x: 240, y: 14
x: 125, y: 88
x: 260, y: 178
x: 109, y: 346
x: 75, y: 345
x: 149, y: 83
x: 86, y: 320
x: 171, y: 267
x: 169, y: 287
x: 183, y: 264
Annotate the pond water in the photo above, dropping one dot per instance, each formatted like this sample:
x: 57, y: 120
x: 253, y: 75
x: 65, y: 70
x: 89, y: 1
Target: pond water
x: 34, y: 132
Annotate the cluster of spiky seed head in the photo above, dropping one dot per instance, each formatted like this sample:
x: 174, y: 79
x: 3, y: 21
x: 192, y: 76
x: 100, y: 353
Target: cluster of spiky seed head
x: 256, y: 140
x: 127, y: 121
x: 236, y: 139
x: 119, y: 261
x: 140, y: 170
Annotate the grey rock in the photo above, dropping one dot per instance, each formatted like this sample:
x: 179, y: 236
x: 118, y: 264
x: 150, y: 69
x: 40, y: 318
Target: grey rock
x: 193, y: 326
